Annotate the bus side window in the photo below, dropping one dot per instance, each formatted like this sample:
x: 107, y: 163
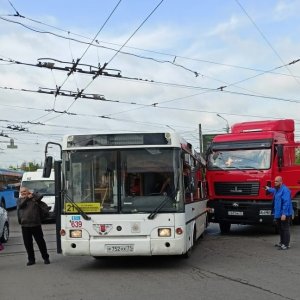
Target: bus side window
x: 186, y: 178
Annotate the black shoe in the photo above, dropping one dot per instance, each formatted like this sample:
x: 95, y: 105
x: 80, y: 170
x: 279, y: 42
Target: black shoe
x: 30, y: 263
x: 46, y: 261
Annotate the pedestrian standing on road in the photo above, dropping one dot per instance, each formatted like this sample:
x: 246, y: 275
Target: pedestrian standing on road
x: 282, y: 210
x: 30, y: 221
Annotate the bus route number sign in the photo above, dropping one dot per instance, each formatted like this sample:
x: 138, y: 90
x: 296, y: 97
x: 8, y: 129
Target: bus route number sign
x: 86, y: 207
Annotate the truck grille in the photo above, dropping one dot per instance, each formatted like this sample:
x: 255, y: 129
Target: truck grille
x: 237, y: 188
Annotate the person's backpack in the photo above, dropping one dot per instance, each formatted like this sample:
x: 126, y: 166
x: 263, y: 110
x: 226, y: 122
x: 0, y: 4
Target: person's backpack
x: 44, y: 210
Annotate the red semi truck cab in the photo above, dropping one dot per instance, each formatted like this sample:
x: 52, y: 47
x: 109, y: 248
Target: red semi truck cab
x: 241, y: 163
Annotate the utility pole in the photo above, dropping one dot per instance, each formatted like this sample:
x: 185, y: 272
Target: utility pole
x: 200, y: 140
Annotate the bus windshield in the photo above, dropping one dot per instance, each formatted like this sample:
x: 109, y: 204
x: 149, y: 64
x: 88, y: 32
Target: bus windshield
x: 122, y: 181
x: 258, y: 159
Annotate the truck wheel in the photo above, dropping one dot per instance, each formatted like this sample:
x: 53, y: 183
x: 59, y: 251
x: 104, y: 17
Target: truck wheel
x: 296, y: 219
x: 224, y: 227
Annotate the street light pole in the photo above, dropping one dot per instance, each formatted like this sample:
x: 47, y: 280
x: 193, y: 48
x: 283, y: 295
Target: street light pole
x: 227, y: 124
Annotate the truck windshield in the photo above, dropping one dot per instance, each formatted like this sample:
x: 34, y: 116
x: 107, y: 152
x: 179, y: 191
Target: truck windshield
x: 122, y: 181
x: 44, y: 187
x: 258, y: 159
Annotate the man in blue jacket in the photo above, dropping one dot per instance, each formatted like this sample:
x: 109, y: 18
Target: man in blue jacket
x: 283, y: 211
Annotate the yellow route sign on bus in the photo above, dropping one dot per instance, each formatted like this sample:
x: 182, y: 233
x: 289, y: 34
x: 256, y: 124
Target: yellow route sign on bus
x: 86, y: 207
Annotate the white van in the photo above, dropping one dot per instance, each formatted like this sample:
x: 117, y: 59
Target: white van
x: 35, y: 182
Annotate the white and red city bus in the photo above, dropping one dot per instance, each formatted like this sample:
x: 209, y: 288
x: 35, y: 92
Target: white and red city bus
x: 129, y: 194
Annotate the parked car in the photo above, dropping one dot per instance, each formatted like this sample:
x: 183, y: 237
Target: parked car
x: 4, y: 225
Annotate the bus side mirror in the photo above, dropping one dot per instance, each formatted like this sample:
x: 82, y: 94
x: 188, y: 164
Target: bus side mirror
x: 47, y: 166
x: 280, y: 155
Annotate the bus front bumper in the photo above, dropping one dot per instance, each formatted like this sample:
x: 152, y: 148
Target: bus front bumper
x: 118, y: 246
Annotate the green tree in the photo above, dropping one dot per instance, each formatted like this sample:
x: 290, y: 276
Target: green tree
x: 30, y: 166
x: 297, y: 156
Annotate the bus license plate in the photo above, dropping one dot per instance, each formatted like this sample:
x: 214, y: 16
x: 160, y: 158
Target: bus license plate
x: 235, y: 213
x: 119, y: 248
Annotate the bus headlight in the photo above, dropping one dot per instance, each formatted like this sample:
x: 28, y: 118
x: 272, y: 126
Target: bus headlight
x: 76, y: 233
x: 164, y: 232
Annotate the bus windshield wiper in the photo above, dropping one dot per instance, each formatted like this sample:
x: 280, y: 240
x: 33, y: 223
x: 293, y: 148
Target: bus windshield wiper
x: 82, y: 213
x: 158, y: 208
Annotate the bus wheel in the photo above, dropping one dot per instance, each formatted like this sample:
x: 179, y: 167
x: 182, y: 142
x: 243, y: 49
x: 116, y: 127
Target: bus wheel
x: 224, y: 227
x: 188, y: 253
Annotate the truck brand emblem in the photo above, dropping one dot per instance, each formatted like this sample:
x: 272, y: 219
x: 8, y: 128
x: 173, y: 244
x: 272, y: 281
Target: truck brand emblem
x: 236, y: 190
x: 235, y: 204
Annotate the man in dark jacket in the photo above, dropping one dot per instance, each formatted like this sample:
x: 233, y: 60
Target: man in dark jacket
x: 30, y: 221
x: 283, y: 211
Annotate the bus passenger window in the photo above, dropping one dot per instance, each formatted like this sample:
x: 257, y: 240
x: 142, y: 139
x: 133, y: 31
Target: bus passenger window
x: 186, y: 178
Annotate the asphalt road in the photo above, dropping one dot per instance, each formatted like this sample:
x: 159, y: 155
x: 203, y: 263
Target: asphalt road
x: 242, y: 265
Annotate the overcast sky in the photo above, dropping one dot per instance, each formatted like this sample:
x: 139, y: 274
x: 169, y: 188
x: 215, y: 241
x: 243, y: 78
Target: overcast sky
x: 181, y: 64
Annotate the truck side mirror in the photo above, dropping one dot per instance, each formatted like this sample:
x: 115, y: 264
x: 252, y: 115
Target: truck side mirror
x: 280, y: 155
x: 47, y: 166
x: 207, y: 152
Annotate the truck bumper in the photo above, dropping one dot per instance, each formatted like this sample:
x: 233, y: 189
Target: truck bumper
x: 240, y: 212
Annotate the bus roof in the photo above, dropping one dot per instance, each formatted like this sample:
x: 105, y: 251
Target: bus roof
x: 36, y: 175
x: 8, y: 172
x: 124, y: 139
